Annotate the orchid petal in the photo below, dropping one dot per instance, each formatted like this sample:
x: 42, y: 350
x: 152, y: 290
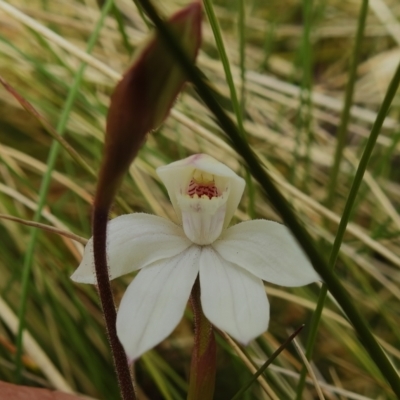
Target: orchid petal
x: 203, y: 218
x: 176, y: 178
x: 232, y: 299
x: 134, y: 241
x: 267, y: 250
x: 155, y: 301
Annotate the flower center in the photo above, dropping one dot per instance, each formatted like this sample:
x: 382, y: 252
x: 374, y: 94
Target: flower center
x: 202, y: 185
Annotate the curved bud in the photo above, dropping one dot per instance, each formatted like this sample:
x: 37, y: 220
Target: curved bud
x: 142, y: 99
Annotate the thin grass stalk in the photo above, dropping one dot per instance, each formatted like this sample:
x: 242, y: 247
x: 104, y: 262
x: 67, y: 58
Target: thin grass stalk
x: 268, y: 45
x: 242, y: 55
x: 142, y: 14
x: 45, y: 227
x: 304, y: 113
x: 263, y: 367
x: 238, y: 106
x: 121, y: 27
x: 341, y: 140
x: 167, y: 391
x: 225, y: 62
x: 383, y: 168
x: 242, y: 101
x: 280, y: 203
x: 307, y: 85
x: 55, y: 147
x: 165, y: 368
x: 341, y: 134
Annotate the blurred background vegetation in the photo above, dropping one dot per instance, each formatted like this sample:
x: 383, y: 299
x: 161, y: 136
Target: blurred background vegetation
x: 290, y: 63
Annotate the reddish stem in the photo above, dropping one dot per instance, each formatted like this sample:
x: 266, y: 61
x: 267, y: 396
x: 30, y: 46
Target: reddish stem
x: 203, y: 365
x: 100, y: 219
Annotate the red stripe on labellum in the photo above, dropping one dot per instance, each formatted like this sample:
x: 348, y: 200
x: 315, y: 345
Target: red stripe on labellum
x: 208, y: 189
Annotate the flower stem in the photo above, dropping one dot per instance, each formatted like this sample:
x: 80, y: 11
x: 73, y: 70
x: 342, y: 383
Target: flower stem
x: 203, y: 365
x: 100, y: 219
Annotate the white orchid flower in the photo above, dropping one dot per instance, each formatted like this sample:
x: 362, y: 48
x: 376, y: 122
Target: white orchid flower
x: 231, y: 262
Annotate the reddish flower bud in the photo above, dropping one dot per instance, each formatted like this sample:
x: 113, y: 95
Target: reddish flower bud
x: 142, y: 99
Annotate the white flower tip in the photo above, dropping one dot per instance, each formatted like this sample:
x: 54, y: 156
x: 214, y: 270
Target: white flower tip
x: 155, y: 301
x: 83, y: 278
x: 269, y: 251
x: 248, y: 334
x: 85, y: 273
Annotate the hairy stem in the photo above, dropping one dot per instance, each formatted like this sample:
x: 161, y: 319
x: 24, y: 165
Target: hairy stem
x: 100, y: 219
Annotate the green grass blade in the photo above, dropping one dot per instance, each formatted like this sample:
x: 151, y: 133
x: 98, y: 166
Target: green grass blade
x: 348, y: 100
x: 225, y: 62
x: 121, y: 27
x: 242, y: 54
x: 304, y: 128
x: 341, y: 140
x: 28, y: 260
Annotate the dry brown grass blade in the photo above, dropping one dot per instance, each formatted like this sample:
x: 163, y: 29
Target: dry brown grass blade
x: 46, y: 228
x: 263, y: 383
x: 34, y: 350
x: 309, y: 369
x: 75, y: 248
x: 28, y: 107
